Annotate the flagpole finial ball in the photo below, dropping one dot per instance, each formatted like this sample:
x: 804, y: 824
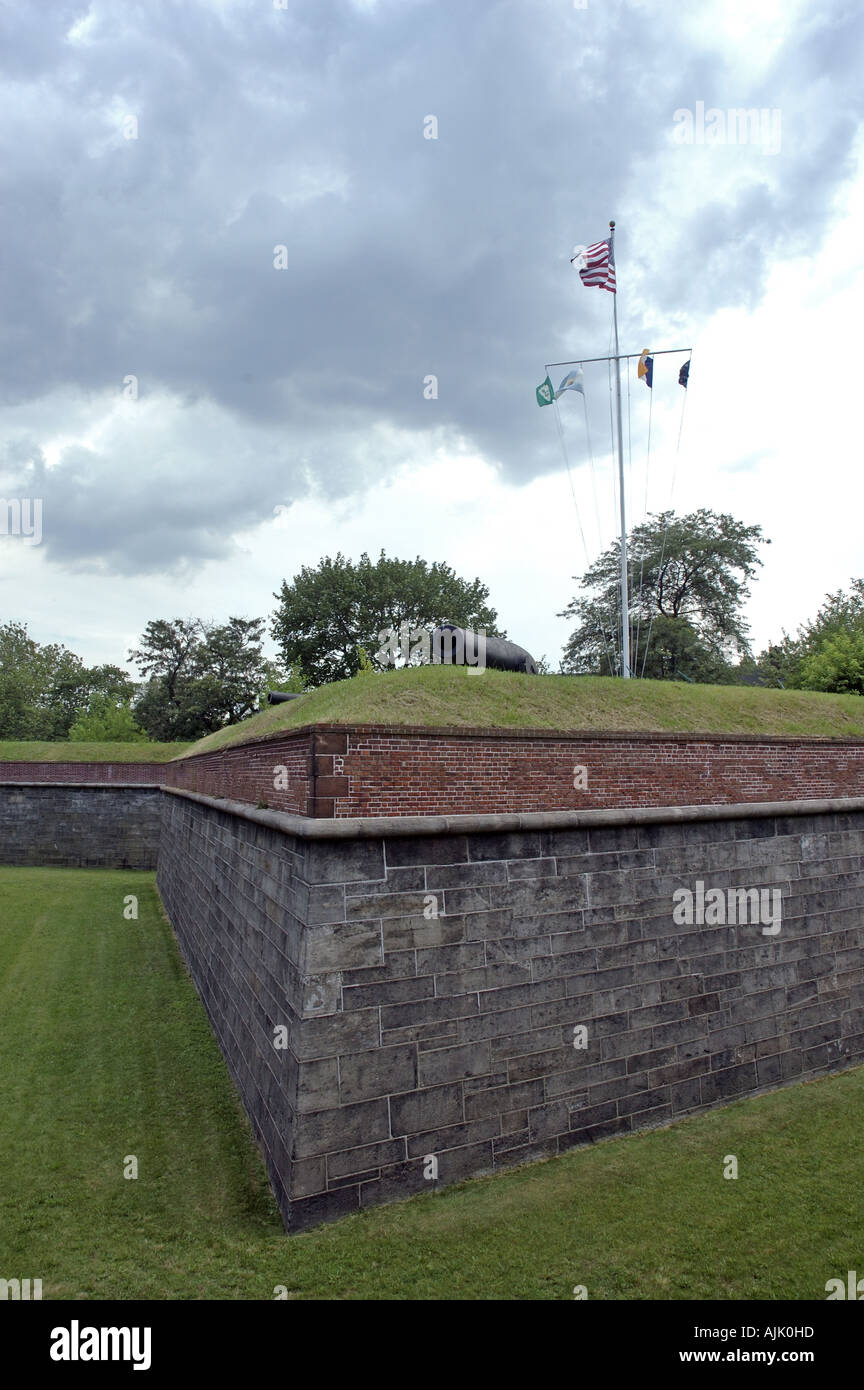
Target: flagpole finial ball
x: 611, y: 224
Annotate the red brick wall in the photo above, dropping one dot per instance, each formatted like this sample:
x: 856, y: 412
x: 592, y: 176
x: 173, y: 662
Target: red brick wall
x: 122, y: 773
x: 249, y: 772
x: 369, y: 771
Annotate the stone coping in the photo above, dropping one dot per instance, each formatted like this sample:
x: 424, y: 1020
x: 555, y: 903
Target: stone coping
x: 88, y: 786
x: 378, y: 827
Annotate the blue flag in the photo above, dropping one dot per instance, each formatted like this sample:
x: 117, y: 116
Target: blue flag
x: 573, y: 381
x: 646, y: 368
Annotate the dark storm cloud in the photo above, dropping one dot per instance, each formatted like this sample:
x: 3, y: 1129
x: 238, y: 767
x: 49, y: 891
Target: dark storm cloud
x: 260, y: 127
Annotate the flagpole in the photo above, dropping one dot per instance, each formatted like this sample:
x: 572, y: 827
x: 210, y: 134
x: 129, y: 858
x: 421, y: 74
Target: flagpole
x: 625, y: 601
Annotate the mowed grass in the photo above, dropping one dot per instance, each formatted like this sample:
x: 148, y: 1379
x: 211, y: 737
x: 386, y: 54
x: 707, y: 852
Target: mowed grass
x: 449, y: 696
x: 105, y: 1052
x: 35, y: 751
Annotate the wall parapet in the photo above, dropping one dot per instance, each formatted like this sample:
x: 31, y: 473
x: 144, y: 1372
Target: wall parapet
x: 364, y: 771
x: 82, y: 774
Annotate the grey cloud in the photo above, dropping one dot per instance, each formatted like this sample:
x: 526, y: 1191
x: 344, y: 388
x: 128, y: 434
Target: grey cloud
x: 304, y: 128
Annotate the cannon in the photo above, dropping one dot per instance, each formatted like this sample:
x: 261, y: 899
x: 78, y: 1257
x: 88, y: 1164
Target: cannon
x: 457, y: 646
x: 278, y: 697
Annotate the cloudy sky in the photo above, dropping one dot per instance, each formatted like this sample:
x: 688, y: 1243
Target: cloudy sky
x: 240, y: 236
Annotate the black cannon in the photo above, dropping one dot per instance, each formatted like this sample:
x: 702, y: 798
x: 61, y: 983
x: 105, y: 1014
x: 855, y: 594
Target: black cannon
x: 278, y: 697
x: 456, y: 646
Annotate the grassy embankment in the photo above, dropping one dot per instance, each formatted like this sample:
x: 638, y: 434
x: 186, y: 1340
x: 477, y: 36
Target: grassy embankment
x: 442, y: 696
x: 452, y: 696
x: 21, y: 751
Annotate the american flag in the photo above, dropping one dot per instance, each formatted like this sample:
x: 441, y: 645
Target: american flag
x: 596, y: 265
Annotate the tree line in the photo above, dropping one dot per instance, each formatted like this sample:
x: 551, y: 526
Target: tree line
x: 689, y: 580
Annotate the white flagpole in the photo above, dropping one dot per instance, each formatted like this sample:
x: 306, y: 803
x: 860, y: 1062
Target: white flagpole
x: 625, y: 601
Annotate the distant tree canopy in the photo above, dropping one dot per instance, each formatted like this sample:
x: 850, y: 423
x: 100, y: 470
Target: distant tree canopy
x: 329, y: 618
x: 200, y: 676
x: 827, y: 653
x: 689, y: 579
x: 44, y: 688
x: 688, y: 582
x: 105, y: 721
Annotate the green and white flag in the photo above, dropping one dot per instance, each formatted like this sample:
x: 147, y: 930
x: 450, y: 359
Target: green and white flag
x: 545, y: 393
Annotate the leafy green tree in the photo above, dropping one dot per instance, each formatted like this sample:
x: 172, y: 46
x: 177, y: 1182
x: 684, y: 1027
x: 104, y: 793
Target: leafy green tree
x: 789, y: 662
x: 676, y: 650
x: 77, y: 686
x: 43, y: 688
x: 778, y: 664
x: 688, y: 583
x: 232, y: 656
x: 105, y: 721
x: 21, y: 684
x: 290, y: 680
x: 201, y: 676
x: 837, y: 665
x: 326, y: 615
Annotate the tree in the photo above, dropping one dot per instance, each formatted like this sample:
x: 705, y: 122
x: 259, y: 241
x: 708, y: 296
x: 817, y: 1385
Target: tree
x: 105, y: 721
x: 290, y: 680
x: 837, y: 665
x: 688, y: 583
x: 43, y: 688
x: 673, y: 649
x: 22, y: 684
x: 790, y: 661
x: 776, y: 665
x: 201, y: 676
x: 231, y: 655
x: 76, y: 689
x: 325, y: 616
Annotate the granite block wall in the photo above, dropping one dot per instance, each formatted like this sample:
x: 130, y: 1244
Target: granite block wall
x: 456, y: 1003
x: 236, y: 898
x: 94, y: 826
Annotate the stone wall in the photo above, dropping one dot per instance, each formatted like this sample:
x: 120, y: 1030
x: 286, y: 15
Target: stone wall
x: 348, y: 771
x: 75, y: 826
x: 430, y: 978
x: 237, y: 898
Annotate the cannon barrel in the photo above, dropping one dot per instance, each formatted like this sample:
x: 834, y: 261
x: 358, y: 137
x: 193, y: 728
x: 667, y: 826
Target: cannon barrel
x: 457, y: 646
x: 278, y: 697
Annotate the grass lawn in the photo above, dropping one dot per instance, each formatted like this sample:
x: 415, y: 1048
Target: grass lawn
x: 448, y: 696
x: 34, y: 751
x: 105, y: 1052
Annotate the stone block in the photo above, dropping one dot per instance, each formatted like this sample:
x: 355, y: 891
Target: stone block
x: 426, y: 1109
x: 377, y: 1072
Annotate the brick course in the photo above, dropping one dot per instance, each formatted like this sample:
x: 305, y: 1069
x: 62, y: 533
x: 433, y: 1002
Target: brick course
x: 248, y: 772
x: 347, y: 771
x: 141, y: 774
